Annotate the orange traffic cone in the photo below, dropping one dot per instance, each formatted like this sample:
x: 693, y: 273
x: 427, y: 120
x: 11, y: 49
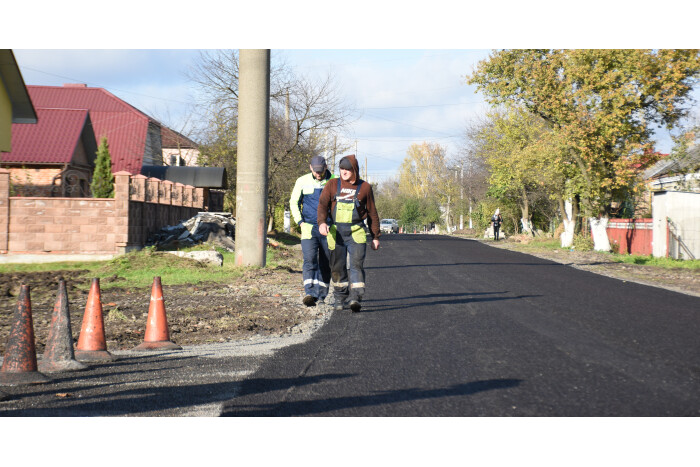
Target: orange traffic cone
x: 19, y: 365
x: 91, y: 342
x: 157, y: 336
x: 59, y: 355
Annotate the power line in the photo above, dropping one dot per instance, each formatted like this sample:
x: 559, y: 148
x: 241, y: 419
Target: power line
x: 105, y: 87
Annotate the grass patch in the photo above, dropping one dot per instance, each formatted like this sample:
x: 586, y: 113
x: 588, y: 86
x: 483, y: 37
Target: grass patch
x: 667, y: 263
x: 137, y: 269
x: 539, y: 244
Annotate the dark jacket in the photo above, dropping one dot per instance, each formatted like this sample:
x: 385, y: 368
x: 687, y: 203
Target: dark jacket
x: 366, y: 210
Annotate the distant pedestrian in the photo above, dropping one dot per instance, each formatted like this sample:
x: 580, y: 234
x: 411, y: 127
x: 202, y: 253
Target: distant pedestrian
x: 496, y: 221
x: 349, y: 202
x: 316, y: 271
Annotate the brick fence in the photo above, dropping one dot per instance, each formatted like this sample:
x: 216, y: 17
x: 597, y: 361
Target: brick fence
x: 100, y: 226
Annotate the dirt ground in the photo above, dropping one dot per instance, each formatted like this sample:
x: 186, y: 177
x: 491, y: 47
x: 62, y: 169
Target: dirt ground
x: 265, y: 301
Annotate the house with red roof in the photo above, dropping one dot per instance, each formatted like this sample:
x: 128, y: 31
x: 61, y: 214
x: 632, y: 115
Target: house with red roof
x: 178, y: 149
x: 134, y: 138
x: 54, y: 157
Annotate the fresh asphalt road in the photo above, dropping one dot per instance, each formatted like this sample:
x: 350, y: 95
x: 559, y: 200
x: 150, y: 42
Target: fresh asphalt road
x: 454, y: 327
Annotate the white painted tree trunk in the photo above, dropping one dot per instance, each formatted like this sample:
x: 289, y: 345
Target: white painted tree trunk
x: 567, y: 237
x: 600, y: 234
x: 527, y: 225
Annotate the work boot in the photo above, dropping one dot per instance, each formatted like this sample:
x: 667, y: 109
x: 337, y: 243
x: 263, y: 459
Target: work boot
x: 309, y: 300
x: 355, y: 306
x: 338, y: 305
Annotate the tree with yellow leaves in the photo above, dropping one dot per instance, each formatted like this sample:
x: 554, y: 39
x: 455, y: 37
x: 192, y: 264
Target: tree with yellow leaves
x: 603, y: 106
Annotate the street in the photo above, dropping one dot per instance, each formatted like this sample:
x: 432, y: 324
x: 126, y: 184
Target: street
x: 453, y: 327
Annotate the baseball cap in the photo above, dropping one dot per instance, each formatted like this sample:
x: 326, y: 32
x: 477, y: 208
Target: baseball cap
x: 318, y: 164
x: 345, y: 164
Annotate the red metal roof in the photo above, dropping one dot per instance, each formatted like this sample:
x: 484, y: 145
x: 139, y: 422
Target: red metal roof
x: 52, y: 140
x: 124, y: 126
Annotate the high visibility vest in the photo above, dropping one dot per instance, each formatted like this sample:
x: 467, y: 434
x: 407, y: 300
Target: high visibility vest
x: 345, y: 212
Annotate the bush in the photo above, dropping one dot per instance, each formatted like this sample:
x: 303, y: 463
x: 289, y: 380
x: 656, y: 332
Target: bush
x: 583, y: 243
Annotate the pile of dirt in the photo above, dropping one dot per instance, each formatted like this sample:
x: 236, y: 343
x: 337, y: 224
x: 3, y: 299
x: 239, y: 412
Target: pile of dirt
x: 263, y: 302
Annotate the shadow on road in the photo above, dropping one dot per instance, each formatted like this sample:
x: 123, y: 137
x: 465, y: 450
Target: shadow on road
x: 457, y: 299
x: 320, y: 406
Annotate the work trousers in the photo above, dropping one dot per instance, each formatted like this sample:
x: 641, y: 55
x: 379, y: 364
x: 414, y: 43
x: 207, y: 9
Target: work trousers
x: 316, y: 271
x: 344, y: 287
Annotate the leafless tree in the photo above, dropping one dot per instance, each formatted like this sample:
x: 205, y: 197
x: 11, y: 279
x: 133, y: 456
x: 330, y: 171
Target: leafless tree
x: 304, y: 114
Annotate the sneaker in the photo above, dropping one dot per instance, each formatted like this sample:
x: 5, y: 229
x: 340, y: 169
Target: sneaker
x: 309, y: 300
x: 338, y: 305
x: 355, y: 306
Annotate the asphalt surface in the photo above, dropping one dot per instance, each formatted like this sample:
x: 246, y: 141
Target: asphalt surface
x: 449, y: 327
x: 453, y: 327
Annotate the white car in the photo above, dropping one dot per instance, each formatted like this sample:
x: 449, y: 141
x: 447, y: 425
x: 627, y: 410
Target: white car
x: 389, y: 226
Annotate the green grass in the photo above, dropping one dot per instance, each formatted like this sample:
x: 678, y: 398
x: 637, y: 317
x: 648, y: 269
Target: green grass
x: 137, y: 269
x: 667, y: 263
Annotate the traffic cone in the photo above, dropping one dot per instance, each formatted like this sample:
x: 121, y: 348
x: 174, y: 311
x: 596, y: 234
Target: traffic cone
x: 91, y: 342
x: 19, y: 365
x: 59, y: 355
x: 157, y: 336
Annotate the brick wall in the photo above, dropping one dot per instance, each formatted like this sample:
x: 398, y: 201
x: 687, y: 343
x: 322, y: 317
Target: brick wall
x: 140, y: 206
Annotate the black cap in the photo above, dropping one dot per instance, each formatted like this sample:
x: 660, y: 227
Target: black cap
x: 318, y: 164
x: 345, y: 164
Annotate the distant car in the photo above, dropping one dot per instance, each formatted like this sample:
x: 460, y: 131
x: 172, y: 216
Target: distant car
x: 389, y: 226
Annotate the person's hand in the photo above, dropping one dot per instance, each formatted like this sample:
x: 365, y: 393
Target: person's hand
x: 375, y: 244
x: 323, y: 229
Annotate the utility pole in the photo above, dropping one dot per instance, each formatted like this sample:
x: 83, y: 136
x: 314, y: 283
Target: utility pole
x: 461, y: 197
x: 253, y: 137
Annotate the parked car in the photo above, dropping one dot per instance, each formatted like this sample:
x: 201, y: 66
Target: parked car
x: 389, y: 226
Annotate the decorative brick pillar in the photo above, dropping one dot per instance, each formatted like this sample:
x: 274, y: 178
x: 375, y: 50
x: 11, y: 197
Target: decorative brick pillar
x: 4, y: 209
x: 187, y: 195
x: 122, y: 184
x: 152, y: 190
x: 198, y: 201
x: 166, y: 192
x: 177, y: 194
x: 138, y: 183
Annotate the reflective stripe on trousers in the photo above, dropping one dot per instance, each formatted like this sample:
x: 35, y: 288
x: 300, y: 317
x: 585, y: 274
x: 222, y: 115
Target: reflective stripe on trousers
x: 352, y: 287
x: 316, y: 271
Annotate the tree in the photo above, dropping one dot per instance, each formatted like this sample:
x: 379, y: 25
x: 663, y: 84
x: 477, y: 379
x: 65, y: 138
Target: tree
x: 515, y: 145
x: 304, y: 115
x: 102, y: 184
x: 603, y: 106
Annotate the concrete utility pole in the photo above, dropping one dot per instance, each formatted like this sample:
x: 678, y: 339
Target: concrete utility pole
x: 253, y: 137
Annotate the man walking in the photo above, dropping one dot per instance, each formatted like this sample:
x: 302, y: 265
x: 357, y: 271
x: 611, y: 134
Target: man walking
x: 496, y: 221
x: 348, y: 201
x: 304, y: 206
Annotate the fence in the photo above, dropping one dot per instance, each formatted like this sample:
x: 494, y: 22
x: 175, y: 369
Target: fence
x: 100, y: 226
x: 633, y: 236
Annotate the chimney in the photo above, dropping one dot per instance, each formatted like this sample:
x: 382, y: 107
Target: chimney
x: 74, y: 85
